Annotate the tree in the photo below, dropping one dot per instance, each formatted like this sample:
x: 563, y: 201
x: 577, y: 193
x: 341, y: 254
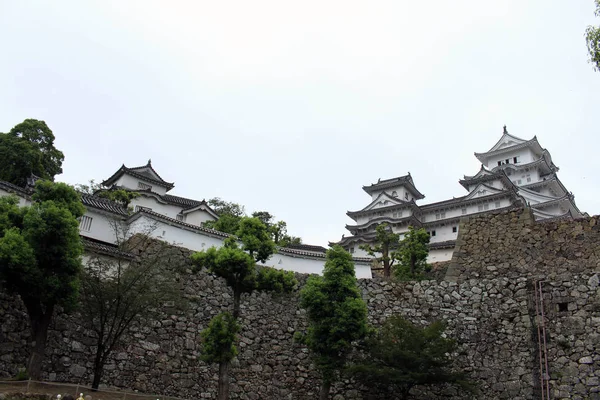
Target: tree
x: 337, y: 315
x: 29, y: 149
x: 40, y: 257
x: 412, y: 254
x: 386, y: 241
x: 592, y: 39
x: 218, y: 346
x: 121, y: 291
x: 222, y: 207
x: 230, y: 215
x: 400, y: 356
x: 238, y: 267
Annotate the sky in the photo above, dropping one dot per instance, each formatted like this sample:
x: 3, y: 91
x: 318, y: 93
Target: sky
x: 291, y: 107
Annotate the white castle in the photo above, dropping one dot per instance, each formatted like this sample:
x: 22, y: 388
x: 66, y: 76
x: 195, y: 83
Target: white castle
x: 514, y: 172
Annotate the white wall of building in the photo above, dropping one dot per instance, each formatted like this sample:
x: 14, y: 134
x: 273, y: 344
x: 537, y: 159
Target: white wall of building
x: 133, y: 183
x: 439, y: 255
x: 198, y: 217
x: 104, y: 227
x: 524, y: 156
x: 151, y: 202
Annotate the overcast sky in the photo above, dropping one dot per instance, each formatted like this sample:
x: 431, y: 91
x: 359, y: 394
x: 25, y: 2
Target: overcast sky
x: 292, y: 107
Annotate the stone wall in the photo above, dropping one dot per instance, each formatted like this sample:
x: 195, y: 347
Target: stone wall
x: 488, y: 302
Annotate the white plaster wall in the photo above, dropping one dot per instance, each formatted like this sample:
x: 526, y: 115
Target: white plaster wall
x: 131, y: 182
x: 525, y: 156
x: 22, y: 201
x: 438, y: 255
x: 102, y: 227
x: 169, y: 210
x: 198, y: 242
x: 198, y: 217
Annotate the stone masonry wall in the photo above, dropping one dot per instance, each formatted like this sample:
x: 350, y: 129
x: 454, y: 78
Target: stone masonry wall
x: 490, y: 310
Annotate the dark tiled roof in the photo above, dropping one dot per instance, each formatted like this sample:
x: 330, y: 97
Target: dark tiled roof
x: 180, y: 223
x: 97, y: 246
x: 307, y: 247
x: 9, y: 187
x: 149, y: 165
x: 134, y: 172
x: 388, y: 183
x: 103, y: 204
x: 181, y: 201
x: 315, y: 254
x: 448, y: 244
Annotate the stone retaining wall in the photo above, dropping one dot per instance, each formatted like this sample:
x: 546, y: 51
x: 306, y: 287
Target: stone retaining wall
x: 489, y: 309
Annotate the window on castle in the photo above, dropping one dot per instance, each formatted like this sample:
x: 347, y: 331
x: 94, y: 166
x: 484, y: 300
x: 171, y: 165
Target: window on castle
x: 497, y: 204
x: 528, y: 179
x: 454, y: 229
x: 432, y: 233
x: 406, y: 195
x: 486, y: 206
x: 85, y: 223
x: 140, y: 208
x: 180, y: 217
x: 423, y: 218
x: 516, y: 159
x: 394, y: 194
x: 507, y: 161
x: 351, y: 250
x: 499, y: 163
x: 397, y: 214
x: 519, y: 181
x: 143, y: 186
x: 463, y: 210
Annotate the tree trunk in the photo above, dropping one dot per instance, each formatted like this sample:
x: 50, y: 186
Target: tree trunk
x: 386, y: 262
x: 236, y: 304
x: 325, y: 387
x: 40, y: 322
x: 98, y: 365
x: 413, y: 261
x: 223, y: 393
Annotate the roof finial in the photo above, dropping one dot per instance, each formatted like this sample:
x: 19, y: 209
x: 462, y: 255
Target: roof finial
x: 150, y: 160
x: 505, y: 131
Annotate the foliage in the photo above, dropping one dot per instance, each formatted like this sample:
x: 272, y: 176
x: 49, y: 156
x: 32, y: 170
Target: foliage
x: 40, y: 256
x: 232, y: 214
x: 412, y: 254
x: 336, y: 312
x: 239, y: 270
x: 222, y: 207
x: 29, y: 149
x: 91, y: 188
x: 401, y: 356
x: 255, y: 239
x: 120, y: 292
x: 592, y: 39
x: 386, y: 241
x: 218, y: 340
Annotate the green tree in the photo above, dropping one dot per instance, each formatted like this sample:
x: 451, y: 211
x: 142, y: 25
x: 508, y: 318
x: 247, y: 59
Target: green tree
x: 280, y: 235
x: 337, y: 316
x: 29, y: 149
x: 592, y: 39
x: 121, y: 196
x: 412, y: 254
x: 238, y: 267
x: 40, y: 257
x: 400, y: 356
x: 222, y: 207
x: 230, y: 215
x: 122, y: 291
x: 386, y: 242
x: 218, y: 346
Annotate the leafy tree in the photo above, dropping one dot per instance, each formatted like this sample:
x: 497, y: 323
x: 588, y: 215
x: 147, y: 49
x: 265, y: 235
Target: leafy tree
x: 121, y: 291
x: 401, y: 356
x: 218, y: 346
x: 412, y: 254
x: 222, y: 207
x: 238, y: 267
x: 337, y: 315
x: 280, y: 235
x: 29, y: 149
x: 40, y: 257
x: 386, y: 241
x: 592, y: 39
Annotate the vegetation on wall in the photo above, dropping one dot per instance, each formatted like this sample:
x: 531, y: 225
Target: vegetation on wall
x: 238, y: 267
x: 40, y: 257
x: 592, y: 40
x: 337, y: 316
x: 401, y: 355
x: 230, y: 215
